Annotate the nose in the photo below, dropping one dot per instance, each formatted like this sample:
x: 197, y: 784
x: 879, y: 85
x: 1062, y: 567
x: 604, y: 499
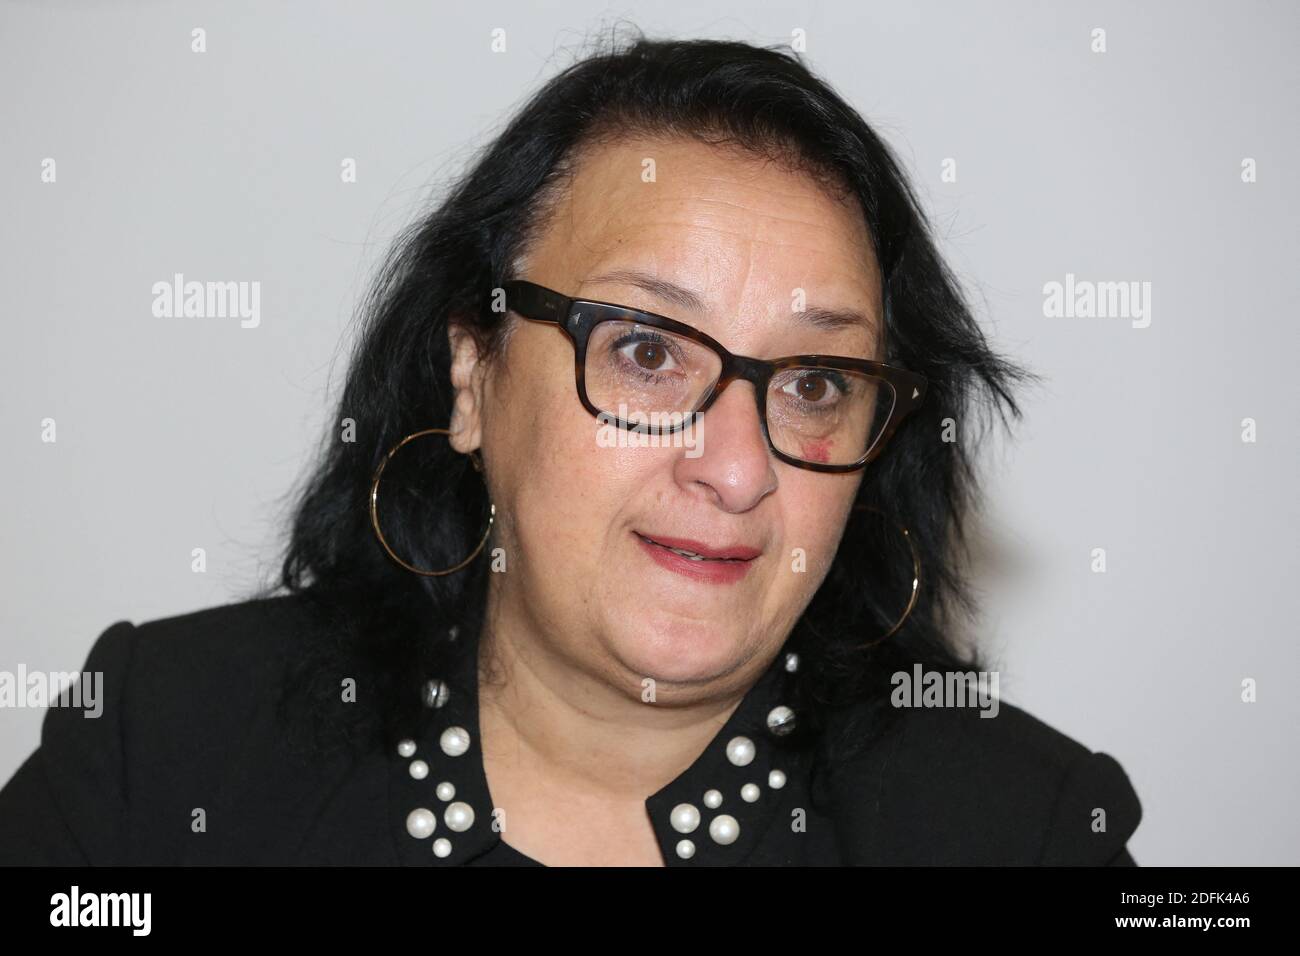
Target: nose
x: 733, y: 466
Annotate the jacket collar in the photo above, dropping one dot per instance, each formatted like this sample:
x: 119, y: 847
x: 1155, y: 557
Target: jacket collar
x: 714, y: 813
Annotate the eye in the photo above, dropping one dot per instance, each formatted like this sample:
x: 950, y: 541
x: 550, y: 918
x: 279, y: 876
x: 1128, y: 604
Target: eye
x: 824, y: 387
x: 648, y: 351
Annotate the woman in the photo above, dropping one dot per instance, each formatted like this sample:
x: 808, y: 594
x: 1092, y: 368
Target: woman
x: 641, y: 514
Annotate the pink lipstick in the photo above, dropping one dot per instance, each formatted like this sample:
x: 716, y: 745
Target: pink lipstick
x: 699, y: 561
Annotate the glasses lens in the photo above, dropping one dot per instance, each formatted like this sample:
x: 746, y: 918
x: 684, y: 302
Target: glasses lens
x: 826, y: 415
x: 650, y: 376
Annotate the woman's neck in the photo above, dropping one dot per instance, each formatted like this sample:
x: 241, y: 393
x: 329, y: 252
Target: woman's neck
x: 577, y: 726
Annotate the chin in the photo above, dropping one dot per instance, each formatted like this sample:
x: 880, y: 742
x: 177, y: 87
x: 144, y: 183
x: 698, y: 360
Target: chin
x: 678, y: 651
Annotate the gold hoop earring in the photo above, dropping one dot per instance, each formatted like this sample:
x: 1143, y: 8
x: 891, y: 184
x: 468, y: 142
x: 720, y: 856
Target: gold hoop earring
x: 474, y: 459
x: 916, y: 573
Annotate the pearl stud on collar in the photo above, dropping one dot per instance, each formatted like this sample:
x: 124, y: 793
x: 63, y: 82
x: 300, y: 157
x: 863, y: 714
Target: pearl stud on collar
x: 740, y: 751
x: 724, y: 829
x: 454, y: 741
x: 684, y: 818
x: 780, y: 720
x: 459, y: 816
x: 435, y: 693
x: 420, y: 823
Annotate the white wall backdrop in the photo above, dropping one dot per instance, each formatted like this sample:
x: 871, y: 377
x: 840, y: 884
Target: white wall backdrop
x: 1117, y: 166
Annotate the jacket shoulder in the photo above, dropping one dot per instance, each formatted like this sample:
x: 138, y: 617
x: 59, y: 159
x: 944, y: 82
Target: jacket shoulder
x: 174, y: 712
x: 946, y: 785
x: 224, y: 659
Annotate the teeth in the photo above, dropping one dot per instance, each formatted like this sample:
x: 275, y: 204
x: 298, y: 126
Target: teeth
x: 683, y: 552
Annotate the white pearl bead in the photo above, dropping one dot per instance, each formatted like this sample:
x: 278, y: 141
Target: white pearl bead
x: 685, y: 849
x: 780, y: 720
x: 749, y: 792
x: 791, y: 663
x: 713, y: 799
x: 406, y: 748
x: 458, y: 816
x: 419, y: 769
x: 445, y: 791
x: 724, y: 829
x: 420, y: 823
x: 435, y: 693
x: 740, y: 751
x: 454, y: 741
x: 684, y: 818
x: 776, y: 779
x: 442, y: 847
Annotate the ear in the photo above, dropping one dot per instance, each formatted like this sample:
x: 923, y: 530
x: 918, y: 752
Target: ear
x: 467, y: 379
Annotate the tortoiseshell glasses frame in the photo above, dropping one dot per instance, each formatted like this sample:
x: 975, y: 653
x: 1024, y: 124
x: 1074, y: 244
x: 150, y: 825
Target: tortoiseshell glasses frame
x: 578, y: 317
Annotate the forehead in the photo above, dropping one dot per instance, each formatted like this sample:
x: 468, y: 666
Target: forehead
x: 738, y: 227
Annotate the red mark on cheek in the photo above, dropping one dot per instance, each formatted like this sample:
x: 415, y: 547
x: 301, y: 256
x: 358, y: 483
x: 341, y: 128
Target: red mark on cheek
x: 818, y: 451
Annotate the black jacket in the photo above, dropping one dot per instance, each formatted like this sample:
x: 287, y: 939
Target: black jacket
x: 189, y: 764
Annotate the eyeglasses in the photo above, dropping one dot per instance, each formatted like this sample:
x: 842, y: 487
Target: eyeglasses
x: 638, y: 370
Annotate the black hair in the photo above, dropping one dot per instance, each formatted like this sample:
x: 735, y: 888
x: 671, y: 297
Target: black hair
x: 390, y: 629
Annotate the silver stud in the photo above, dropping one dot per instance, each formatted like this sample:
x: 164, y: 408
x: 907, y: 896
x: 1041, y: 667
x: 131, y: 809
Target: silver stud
x: 749, y: 792
x: 713, y: 799
x: 685, y: 849
x: 445, y: 791
x: 780, y: 720
x: 776, y: 779
x: 458, y: 816
x: 724, y: 829
x: 454, y: 741
x: 421, y: 823
x: 406, y: 748
x: 435, y: 693
x: 442, y: 848
x: 419, y: 769
x: 791, y: 663
x: 684, y: 818
x: 740, y: 751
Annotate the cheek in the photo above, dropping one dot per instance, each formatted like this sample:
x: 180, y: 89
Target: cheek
x: 560, y: 488
x: 819, y: 523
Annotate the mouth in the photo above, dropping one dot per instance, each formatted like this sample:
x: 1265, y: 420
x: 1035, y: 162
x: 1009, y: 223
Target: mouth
x: 698, y: 551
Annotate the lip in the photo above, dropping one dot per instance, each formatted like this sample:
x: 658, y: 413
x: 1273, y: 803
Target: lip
x: 739, y: 552
x: 711, y: 571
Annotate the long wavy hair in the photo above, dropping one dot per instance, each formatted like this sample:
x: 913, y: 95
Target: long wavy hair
x: 389, y: 629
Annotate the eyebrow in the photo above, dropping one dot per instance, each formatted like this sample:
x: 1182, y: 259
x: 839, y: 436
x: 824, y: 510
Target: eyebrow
x: 830, y: 320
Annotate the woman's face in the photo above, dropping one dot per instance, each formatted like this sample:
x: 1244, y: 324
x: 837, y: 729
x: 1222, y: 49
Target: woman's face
x: 744, y: 236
